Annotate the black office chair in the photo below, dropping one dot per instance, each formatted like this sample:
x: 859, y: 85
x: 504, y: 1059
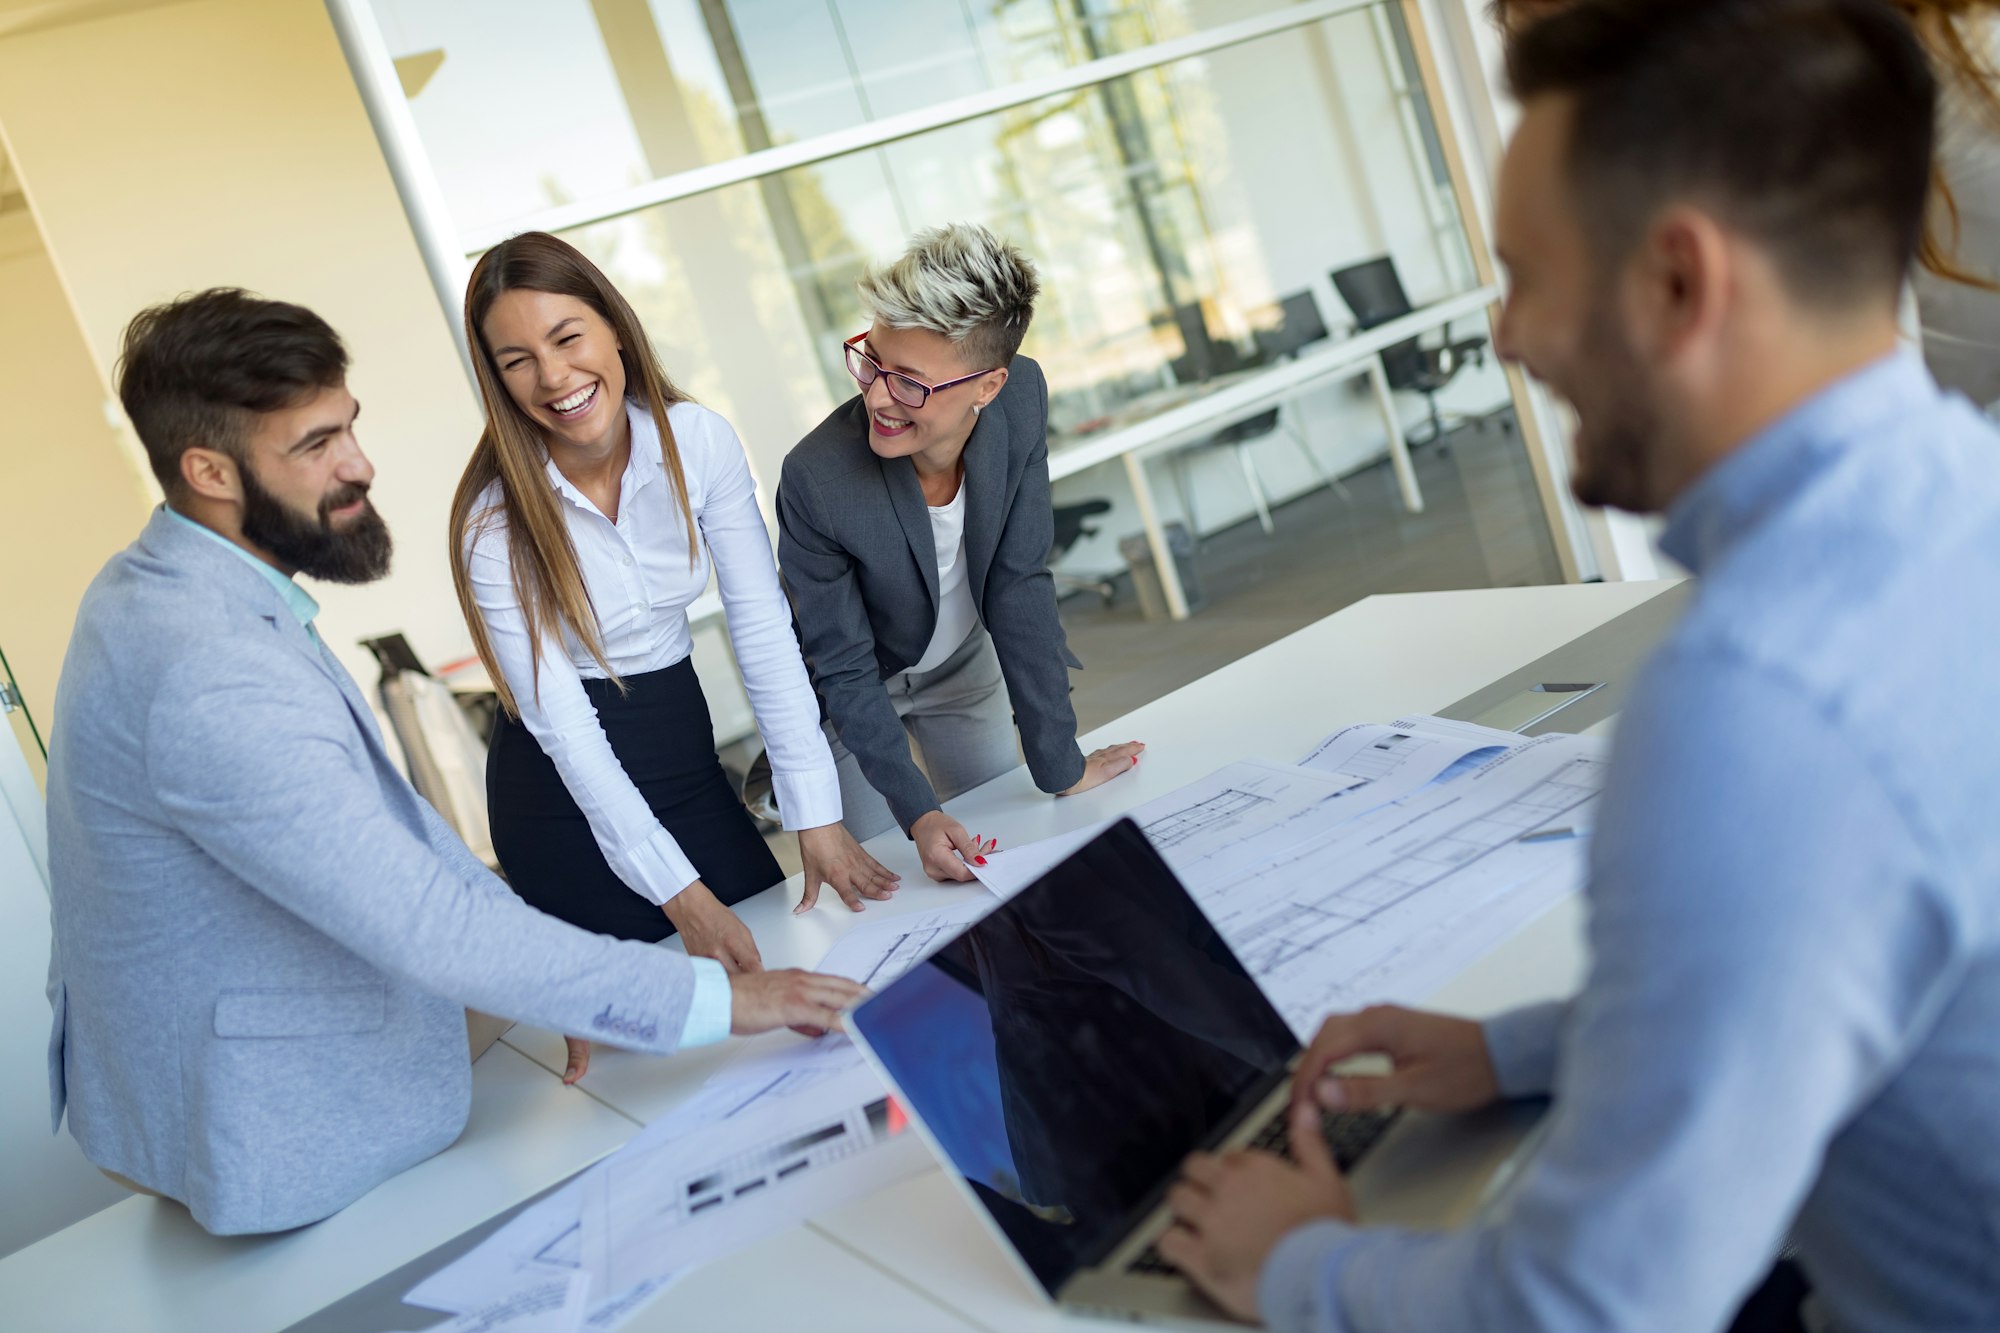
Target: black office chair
x: 1299, y: 326
x: 1374, y: 293
x: 1071, y: 529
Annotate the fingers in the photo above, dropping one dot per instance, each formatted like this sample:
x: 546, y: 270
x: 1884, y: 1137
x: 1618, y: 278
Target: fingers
x: 1204, y: 1169
x: 808, y: 899
x: 1181, y: 1247
x: 1361, y: 1092
x: 806, y: 1001
x: 970, y: 846
x: 818, y: 999
x: 579, y: 1060
x: 1309, y: 1148
x: 1118, y: 758
x: 943, y: 861
x: 1339, y: 1038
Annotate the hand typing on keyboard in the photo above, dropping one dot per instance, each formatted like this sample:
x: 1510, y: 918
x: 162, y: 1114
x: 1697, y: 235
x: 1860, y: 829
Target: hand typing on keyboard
x: 1437, y: 1063
x: 1231, y: 1210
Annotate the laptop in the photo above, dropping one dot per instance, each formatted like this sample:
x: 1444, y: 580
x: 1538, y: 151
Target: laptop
x: 1066, y: 1053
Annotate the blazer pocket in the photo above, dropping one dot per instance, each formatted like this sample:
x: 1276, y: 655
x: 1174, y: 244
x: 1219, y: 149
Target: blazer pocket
x: 326, y: 1011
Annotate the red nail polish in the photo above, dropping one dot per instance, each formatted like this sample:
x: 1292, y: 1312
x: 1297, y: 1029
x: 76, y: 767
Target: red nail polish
x: 979, y: 861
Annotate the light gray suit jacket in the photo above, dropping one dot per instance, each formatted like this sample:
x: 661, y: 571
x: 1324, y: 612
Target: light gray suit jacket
x: 263, y: 937
x: 859, y: 560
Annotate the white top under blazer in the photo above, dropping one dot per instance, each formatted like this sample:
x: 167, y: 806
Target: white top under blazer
x: 956, y: 614
x: 641, y: 583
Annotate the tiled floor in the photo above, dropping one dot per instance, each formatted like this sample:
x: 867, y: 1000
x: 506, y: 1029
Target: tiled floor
x: 1482, y: 526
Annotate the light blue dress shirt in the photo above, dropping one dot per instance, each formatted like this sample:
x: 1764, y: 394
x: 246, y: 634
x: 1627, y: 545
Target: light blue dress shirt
x: 708, y: 1012
x: 1792, y: 1018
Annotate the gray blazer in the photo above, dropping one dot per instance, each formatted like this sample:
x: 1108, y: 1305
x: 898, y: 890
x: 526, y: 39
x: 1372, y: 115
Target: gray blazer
x: 860, y: 564
x: 264, y: 939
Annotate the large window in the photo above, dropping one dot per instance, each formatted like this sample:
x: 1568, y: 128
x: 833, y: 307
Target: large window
x: 1190, y: 175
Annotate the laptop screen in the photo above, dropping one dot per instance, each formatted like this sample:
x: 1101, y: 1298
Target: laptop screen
x: 1070, y: 1048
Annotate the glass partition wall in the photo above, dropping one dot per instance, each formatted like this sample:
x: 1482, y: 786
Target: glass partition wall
x: 1226, y: 198
x: 27, y: 735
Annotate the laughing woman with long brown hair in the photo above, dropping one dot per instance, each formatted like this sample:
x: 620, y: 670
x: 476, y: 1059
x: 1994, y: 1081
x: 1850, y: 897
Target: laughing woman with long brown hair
x: 586, y: 523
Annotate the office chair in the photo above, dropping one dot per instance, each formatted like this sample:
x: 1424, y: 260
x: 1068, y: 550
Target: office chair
x: 1071, y: 529
x: 1374, y: 293
x: 1300, y: 325
x: 442, y: 752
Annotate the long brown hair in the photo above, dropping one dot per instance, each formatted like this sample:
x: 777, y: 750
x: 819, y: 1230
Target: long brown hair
x: 1942, y: 26
x: 548, y: 581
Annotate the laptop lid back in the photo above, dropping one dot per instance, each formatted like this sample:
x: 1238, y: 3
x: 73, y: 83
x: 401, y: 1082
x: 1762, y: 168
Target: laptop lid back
x: 1069, y: 1049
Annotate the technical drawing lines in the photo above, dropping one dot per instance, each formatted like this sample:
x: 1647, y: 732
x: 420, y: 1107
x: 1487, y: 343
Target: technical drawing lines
x: 1272, y: 919
x: 907, y: 949
x: 1171, y: 830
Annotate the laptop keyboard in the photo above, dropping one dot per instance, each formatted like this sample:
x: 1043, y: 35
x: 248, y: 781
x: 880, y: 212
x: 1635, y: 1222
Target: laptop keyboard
x: 1350, y: 1134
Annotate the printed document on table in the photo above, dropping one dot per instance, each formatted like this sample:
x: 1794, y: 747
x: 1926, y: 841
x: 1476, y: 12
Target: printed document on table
x: 1333, y: 901
x: 1366, y: 910
x: 1405, y: 755
x: 790, y: 1127
x: 552, y: 1301
x: 1364, y: 766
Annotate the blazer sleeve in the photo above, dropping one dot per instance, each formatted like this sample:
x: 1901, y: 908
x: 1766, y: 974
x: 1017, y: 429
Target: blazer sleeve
x: 1020, y: 614
x: 281, y: 794
x: 839, y: 646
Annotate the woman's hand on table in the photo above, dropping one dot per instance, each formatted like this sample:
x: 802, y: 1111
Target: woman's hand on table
x: 710, y: 930
x: 832, y: 856
x: 946, y: 849
x: 1100, y: 766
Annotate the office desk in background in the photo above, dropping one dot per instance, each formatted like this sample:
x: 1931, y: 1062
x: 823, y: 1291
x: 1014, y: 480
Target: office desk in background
x: 912, y: 1257
x: 1206, y: 410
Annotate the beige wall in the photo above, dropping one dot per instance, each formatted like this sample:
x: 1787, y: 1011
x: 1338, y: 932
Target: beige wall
x: 69, y: 495
x: 223, y: 142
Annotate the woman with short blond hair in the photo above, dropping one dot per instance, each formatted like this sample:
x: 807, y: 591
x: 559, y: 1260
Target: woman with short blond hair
x: 914, y: 533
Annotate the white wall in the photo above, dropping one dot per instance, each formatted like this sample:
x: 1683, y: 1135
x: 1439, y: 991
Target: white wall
x: 69, y: 493
x: 223, y: 142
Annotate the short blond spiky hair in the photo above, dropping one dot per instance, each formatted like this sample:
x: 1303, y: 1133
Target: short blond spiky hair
x: 961, y: 281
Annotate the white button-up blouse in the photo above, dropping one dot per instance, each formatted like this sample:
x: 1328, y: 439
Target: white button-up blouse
x: 641, y: 583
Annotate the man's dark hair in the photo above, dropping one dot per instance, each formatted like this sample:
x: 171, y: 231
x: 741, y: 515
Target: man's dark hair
x: 1807, y: 125
x: 198, y: 370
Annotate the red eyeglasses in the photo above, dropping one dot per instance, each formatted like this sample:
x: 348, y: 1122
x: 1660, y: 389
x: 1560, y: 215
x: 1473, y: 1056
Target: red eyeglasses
x: 904, y: 389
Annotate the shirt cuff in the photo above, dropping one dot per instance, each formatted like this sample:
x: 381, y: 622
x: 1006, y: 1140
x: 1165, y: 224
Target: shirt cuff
x: 656, y: 869
x: 807, y: 798
x: 710, y: 1010
x: 1522, y: 1045
x: 1299, y: 1289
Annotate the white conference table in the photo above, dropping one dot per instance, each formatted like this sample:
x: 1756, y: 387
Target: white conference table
x: 912, y: 1256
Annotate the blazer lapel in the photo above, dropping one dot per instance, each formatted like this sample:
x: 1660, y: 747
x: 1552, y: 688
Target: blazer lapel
x: 987, y: 502
x: 906, y: 497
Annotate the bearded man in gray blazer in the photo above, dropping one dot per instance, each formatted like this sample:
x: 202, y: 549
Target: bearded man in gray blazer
x: 264, y: 939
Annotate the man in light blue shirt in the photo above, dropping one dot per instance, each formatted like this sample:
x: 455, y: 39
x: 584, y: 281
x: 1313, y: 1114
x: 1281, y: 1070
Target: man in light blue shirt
x: 1791, y: 1024
x: 264, y: 940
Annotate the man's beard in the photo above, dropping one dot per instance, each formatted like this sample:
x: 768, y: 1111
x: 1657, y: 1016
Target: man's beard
x: 1614, y: 451
x: 360, y: 554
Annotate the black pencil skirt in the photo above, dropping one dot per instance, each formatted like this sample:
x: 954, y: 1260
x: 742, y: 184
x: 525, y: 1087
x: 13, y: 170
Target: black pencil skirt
x: 660, y: 731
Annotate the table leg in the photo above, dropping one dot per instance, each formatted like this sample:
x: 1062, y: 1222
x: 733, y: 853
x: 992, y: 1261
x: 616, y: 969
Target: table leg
x: 1399, y: 450
x: 1156, y: 539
